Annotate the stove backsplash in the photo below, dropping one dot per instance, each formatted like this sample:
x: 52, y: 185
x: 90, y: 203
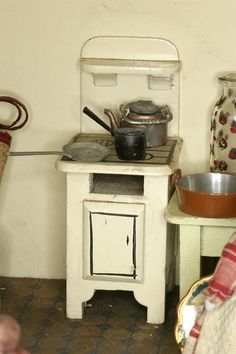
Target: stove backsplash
x: 112, y: 74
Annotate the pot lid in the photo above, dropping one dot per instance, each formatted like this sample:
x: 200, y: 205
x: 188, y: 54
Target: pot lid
x: 144, y: 107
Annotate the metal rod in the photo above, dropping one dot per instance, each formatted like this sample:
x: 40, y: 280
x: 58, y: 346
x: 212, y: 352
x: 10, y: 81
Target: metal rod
x: 29, y: 153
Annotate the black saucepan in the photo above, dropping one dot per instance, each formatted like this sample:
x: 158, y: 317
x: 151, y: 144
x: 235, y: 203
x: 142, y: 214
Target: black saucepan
x: 130, y: 143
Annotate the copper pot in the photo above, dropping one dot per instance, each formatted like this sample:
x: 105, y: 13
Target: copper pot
x: 211, y: 195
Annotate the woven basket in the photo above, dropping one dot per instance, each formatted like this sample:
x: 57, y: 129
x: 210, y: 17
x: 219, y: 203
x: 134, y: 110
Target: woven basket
x: 5, y: 143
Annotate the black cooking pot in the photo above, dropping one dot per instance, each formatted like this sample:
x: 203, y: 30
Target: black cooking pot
x: 130, y: 143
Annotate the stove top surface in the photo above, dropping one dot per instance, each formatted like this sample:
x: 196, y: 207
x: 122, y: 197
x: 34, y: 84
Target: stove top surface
x: 160, y: 155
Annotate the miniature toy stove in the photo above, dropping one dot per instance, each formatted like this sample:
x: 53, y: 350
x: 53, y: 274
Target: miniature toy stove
x: 117, y: 236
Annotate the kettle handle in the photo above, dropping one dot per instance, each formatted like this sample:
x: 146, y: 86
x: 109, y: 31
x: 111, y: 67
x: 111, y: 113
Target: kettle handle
x: 165, y: 111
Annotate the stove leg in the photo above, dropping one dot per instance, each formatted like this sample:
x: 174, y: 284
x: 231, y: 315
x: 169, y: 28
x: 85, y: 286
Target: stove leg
x: 154, y: 301
x: 76, y: 296
x: 155, y: 313
x: 75, y: 313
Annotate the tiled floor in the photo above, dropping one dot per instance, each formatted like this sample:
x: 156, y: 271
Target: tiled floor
x: 113, y: 323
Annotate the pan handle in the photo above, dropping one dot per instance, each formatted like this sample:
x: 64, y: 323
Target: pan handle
x: 29, y: 153
x: 174, y: 178
x: 176, y: 175
x: 92, y: 115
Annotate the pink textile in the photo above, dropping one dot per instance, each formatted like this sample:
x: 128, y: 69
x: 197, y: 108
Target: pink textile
x: 220, y: 289
x: 9, y: 336
x: 223, y: 283
x: 217, y: 335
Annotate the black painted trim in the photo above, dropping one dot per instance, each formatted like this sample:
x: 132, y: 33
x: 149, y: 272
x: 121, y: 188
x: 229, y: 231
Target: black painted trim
x: 91, y: 242
x: 134, y: 275
x: 134, y: 247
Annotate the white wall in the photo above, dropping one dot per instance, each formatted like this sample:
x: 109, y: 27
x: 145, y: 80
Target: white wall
x: 40, y: 43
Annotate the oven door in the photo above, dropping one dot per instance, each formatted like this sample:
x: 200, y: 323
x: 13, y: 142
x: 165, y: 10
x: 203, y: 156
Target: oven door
x: 113, y: 240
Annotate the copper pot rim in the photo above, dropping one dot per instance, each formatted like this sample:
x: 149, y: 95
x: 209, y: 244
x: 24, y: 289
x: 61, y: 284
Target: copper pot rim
x: 192, y: 184
x: 204, y: 193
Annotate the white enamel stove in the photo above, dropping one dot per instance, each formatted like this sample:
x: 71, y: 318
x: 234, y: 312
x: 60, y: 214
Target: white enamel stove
x: 117, y: 236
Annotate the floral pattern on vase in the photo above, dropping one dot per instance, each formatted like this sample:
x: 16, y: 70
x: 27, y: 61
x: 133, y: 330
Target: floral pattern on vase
x: 223, y: 128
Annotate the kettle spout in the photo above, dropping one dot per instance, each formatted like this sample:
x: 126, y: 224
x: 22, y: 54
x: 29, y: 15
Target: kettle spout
x: 112, y: 117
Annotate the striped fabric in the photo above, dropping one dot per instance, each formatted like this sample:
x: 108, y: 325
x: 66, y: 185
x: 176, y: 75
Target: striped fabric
x: 221, y: 287
x: 195, y: 330
x: 223, y: 283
